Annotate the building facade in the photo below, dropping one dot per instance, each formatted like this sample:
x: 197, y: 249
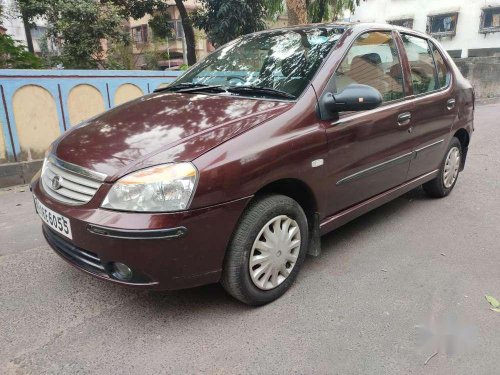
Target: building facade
x: 143, y: 38
x: 13, y: 26
x: 466, y: 28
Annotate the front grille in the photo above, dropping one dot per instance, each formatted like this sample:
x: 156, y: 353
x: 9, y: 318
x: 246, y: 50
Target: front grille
x: 73, y: 189
x: 82, y: 258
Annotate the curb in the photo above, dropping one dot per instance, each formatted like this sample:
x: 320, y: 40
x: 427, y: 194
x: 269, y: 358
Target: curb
x: 12, y: 174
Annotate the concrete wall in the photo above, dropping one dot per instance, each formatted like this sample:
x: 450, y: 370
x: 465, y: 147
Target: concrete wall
x: 36, y: 106
x: 483, y: 73
x: 467, y: 41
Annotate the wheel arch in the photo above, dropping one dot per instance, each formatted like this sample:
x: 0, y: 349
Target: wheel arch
x: 295, y: 189
x: 464, y: 138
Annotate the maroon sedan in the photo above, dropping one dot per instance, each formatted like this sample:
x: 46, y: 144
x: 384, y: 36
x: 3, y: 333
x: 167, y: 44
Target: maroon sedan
x: 234, y: 171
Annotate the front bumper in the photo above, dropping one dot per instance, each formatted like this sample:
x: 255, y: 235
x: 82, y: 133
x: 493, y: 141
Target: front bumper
x: 166, y: 251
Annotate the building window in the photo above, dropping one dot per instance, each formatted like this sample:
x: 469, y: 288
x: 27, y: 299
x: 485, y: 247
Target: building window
x: 38, y: 33
x: 140, y: 34
x: 442, y: 24
x: 404, y: 22
x: 490, y: 20
x: 176, y: 26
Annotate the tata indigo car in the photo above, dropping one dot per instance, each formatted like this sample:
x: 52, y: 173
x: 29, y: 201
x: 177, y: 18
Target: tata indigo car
x: 232, y: 173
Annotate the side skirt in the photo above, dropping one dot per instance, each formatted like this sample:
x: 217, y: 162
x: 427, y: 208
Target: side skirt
x: 343, y: 217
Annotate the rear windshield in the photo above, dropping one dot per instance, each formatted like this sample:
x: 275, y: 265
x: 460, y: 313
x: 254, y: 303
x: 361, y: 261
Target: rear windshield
x: 284, y: 60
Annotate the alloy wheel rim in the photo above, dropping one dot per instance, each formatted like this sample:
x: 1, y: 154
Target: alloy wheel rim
x: 451, y: 167
x: 274, y: 252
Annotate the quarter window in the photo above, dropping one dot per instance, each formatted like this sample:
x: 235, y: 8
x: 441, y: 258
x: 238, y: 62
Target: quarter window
x: 373, y: 60
x: 443, y: 75
x: 423, y: 72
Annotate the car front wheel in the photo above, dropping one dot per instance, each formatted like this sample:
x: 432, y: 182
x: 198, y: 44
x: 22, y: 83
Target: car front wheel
x: 266, y: 251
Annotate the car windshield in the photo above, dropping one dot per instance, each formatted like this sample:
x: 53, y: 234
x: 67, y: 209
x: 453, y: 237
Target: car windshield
x: 279, y: 64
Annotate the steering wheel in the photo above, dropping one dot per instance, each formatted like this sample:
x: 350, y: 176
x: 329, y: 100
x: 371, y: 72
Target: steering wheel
x: 230, y: 78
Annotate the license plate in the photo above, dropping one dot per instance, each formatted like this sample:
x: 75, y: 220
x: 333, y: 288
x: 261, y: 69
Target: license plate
x: 57, y: 222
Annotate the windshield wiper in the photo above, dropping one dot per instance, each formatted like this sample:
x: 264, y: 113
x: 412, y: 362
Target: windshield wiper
x: 186, y: 87
x: 261, y: 90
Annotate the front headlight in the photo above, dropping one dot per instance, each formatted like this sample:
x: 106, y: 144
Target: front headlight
x: 163, y: 188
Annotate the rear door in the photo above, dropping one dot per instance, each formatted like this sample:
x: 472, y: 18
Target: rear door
x: 433, y: 99
x: 369, y: 151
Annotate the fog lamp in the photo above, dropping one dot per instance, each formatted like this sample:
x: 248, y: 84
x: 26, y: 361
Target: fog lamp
x: 122, y: 271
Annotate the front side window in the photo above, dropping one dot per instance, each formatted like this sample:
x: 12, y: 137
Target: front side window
x: 490, y: 20
x: 373, y: 60
x: 423, y: 73
x: 283, y: 60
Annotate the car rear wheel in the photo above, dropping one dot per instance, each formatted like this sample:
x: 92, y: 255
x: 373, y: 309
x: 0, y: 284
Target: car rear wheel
x: 266, y: 251
x: 443, y: 184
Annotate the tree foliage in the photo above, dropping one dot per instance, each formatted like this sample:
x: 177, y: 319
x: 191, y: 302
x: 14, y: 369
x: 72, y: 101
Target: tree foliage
x: 15, y: 56
x: 81, y: 28
x: 225, y: 20
x: 315, y: 11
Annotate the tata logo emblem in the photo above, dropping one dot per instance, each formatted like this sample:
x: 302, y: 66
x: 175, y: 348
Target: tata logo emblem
x: 57, y: 182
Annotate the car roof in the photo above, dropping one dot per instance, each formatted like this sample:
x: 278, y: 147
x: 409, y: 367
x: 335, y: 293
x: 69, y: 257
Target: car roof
x: 357, y: 26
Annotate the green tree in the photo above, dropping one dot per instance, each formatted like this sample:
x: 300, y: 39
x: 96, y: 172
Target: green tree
x: 225, y: 20
x: 15, y: 56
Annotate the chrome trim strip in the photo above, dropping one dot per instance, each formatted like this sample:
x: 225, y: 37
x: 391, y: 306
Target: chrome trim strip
x: 428, y: 146
x: 77, y: 169
x: 375, y: 168
x: 408, y: 185
x: 146, y: 234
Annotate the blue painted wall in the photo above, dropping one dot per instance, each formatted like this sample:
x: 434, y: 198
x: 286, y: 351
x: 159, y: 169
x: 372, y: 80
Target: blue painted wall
x: 59, y: 83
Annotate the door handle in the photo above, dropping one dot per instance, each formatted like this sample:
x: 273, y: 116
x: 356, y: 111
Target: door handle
x: 450, y: 104
x: 404, y: 118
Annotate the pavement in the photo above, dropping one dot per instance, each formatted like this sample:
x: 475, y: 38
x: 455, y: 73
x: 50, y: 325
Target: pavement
x: 390, y: 290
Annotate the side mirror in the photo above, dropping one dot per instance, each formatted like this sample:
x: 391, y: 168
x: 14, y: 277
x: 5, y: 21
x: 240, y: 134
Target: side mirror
x: 355, y: 97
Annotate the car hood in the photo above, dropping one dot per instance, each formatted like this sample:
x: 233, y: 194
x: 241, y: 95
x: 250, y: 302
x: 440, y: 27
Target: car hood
x: 161, y: 128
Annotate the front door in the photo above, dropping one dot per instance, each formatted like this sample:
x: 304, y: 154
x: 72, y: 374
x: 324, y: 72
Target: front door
x: 370, y: 151
x: 434, y: 104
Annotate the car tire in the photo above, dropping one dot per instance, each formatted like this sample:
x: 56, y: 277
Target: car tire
x: 449, y: 170
x: 269, y: 227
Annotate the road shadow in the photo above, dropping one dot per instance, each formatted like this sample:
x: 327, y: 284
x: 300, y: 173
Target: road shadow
x: 333, y: 242
x: 207, y: 297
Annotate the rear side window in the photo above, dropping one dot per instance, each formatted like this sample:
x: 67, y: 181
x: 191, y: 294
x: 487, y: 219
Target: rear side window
x: 443, y: 75
x: 373, y: 60
x: 423, y: 72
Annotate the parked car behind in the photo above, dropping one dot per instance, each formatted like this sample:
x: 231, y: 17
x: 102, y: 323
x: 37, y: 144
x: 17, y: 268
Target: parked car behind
x: 232, y: 173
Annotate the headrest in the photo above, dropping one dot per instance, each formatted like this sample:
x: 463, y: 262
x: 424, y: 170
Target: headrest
x: 373, y: 57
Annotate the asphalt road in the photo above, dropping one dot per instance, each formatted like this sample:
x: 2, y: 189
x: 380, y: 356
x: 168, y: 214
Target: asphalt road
x: 390, y: 290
